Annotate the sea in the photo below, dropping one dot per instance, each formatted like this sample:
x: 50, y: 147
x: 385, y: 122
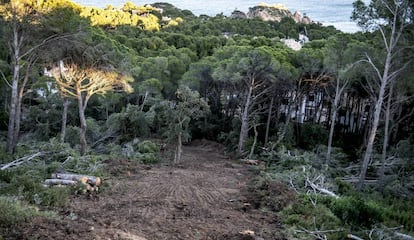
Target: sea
x: 335, y: 13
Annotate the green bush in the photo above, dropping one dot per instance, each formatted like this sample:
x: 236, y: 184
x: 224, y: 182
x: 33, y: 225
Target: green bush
x: 305, y: 215
x: 147, y: 147
x: 13, y: 211
x: 356, y: 211
x: 148, y: 158
x: 399, y: 212
x: 146, y: 152
x: 53, y: 197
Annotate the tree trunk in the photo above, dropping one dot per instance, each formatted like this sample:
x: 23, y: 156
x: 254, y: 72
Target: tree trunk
x: 333, y: 121
x: 254, y: 140
x: 178, y: 151
x: 144, y: 101
x: 386, y: 137
x: 375, y: 123
x: 64, y: 119
x: 82, y: 124
x: 244, y: 130
x: 19, y: 105
x: 281, y: 134
x: 331, y: 133
x: 269, y: 119
x: 14, y: 91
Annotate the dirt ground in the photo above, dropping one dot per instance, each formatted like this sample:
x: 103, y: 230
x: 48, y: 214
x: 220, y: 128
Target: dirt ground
x: 203, y: 197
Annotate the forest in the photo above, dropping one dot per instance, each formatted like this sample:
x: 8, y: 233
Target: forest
x: 86, y: 90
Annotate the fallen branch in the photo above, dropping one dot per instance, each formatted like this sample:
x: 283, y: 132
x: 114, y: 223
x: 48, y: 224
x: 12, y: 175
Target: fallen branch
x: 321, y: 189
x: 318, y: 234
x: 355, y: 180
x: 404, y: 236
x: 91, y: 180
x: 250, y: 161
x: 353, y: 237
x: 22, y: 160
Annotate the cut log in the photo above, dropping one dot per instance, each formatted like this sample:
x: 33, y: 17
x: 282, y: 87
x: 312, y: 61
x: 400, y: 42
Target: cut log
x: 91, y: 180
x: 50, y: 182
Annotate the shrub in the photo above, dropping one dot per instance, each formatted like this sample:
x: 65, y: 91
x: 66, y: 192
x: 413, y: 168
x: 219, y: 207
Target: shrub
x: 147, y: 147
x: 13, y: 211
x: 131, y: 123
x: 32, y: 191
x: 357, y: 212
x: 265, y: 193
x: 305, y: 215
x: 147, y: 158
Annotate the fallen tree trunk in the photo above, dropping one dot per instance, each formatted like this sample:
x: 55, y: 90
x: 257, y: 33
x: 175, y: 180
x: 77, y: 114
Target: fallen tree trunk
x: 91, y: 180
x: 320, y: 189
x: 20, y: 161
x: 404, y: 236
x: 356, y: 180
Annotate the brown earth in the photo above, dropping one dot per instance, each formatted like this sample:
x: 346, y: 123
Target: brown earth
x: 204, y: 197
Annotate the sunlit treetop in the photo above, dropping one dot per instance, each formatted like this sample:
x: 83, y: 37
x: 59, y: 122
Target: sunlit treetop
x: 130, y: 14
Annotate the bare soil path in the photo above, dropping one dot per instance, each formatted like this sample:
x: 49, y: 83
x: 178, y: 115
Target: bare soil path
x: 201, y: 198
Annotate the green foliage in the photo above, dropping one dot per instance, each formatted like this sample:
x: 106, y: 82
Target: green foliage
x: 302, y: 214
x: 311, y: 135
x: 177, y: 116
x: 268, y: 194
x: 131, y: 123
x: 29, y: 187
x: 14, y: 211
x: 88, y: 164
x: 398, y: 212
x: 147, y: 146
x: 148, y: 152
x: 356, y: 211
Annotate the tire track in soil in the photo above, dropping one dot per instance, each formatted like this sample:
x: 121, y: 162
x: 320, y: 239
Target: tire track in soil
x: 198, y: 199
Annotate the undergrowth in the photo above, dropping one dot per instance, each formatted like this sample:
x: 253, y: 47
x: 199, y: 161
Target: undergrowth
x: 312, y: 214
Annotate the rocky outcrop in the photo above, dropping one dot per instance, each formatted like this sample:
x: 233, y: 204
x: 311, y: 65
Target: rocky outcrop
x: 297, y: 16
x: 238, y: 14
x: 275, y: 13
x: 268, y: 13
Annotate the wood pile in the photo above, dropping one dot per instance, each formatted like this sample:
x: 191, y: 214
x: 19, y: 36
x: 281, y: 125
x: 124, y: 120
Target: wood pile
x: 90, y: 183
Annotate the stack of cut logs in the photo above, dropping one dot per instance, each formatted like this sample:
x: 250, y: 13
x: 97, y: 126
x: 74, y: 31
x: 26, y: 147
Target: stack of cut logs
x: 91, y: 183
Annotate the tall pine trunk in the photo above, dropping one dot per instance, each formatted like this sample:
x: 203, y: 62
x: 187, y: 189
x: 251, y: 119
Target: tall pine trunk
x: 244, y: 130
x: 14, y: 90
x: 374, y: 127
x: 269, y: 119
x: 338, y: 93
x: 82, y: 106
x: 386, y: 136
x: 64, y: 119
x: 19, y: 105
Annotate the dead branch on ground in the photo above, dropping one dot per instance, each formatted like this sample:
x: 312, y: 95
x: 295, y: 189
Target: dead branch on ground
x: 22, y: 160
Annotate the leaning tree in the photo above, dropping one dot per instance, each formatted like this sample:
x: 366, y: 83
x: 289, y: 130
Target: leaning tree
x: 390, y: 18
